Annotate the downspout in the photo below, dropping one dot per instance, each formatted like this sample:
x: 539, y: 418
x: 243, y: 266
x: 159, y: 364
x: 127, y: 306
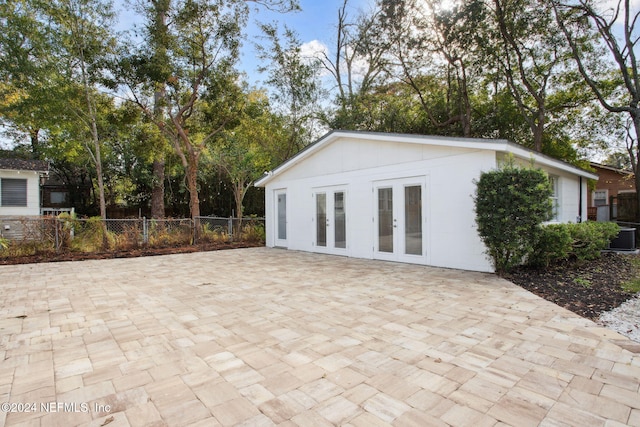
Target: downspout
x: 579, y: 219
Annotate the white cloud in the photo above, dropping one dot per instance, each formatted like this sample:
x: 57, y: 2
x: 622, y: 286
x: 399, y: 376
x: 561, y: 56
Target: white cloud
x: 314, y: 49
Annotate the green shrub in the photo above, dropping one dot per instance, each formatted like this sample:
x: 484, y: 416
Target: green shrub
x: 510, y: 204
x: 554, y: 243
x: 163, y: 235
x: 589, y: 238
x: 213, y: 234
x: 92, y: 236
x: 66, y: 225
x: 4, y: 243
x: 253, y: 233
x: 18, y: 249
x: 583, y: 241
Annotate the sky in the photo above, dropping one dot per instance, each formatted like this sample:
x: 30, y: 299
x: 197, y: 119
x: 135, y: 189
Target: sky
x: 315, y: 24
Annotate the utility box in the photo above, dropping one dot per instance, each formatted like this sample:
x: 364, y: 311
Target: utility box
x: 626, y: 240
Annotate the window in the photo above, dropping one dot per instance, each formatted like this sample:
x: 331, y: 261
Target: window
x: 555, y: 198
x: 13, y: 192
x: 58, y: 197
x: 600, y: 198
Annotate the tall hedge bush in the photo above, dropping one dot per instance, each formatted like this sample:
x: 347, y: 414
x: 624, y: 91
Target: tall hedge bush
x: 510, y: 204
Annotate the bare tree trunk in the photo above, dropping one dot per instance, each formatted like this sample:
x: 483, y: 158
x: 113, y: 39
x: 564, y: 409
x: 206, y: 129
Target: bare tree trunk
x: 635, y: 158
x: 157, y: 191
x: 238, y: 194
x: 34, y: 135
x: 192, y: 186
x: 537, y: 127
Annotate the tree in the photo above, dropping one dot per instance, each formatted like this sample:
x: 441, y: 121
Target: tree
x: 29, y: 99
x: 82, y: 30
x: 357, y: 65
x: 249, y: 149
x: 532, y: 55
x: 427, y: 39
x: 615, y: 83
x: 189, y: 74
x: 52, y: 60
x: 295, y: 80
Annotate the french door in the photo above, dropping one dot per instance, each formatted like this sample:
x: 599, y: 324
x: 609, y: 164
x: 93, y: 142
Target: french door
x: 399, y: 220
x: 330, y: 220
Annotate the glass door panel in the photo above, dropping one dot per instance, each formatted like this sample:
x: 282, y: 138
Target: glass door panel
x: 339, y: 220
x: 413, y: 220
x: 281, y: 218
x: 321, y: 219
x: 385, y: 219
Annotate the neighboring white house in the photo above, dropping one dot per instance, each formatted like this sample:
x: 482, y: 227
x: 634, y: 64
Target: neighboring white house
x: 20, y: 187
x: 406, y: 198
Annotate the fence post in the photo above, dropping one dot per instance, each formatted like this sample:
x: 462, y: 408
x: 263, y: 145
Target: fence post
x: 230, y: 228
x: 145, y: 230
x: 56, y: 225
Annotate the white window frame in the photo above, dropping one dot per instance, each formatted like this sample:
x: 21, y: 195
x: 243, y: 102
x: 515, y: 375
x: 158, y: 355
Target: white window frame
x: 555, y: 197
x: 606, y: 197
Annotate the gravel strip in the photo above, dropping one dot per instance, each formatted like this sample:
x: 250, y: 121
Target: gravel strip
x: 624, y: 319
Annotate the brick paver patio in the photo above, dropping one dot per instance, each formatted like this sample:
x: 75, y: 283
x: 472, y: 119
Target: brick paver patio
x: 262, y: 337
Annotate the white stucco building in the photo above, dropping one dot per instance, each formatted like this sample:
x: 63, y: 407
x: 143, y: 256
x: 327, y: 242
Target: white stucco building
x: 406, y: 198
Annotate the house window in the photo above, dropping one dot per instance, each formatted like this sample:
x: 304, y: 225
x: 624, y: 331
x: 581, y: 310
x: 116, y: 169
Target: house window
x: 58, y: 197
x: 555, y: 197
x: 600, y: 198
x: 13, y: 192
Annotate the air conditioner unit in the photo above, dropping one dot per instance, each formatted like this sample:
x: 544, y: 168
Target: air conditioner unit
x: 626, y: 240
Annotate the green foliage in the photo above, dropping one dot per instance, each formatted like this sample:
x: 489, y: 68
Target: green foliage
x: 633, y: 285
x: 583, y: 242
x: 554, y: 243
x: 510, y: 204
x: 27, y: 249
x: 4, y: 243
x: 253, y: 232
x: 213, y: 234
x: 90, y: 236
x: 589, y: 238
x: 586, y: 283
x: 165, y: 235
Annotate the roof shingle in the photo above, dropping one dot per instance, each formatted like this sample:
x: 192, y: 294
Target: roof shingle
x: 21, y: 164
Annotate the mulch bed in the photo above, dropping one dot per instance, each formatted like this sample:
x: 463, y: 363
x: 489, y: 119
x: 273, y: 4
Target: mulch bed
x: 131, y: 253
x: 587, y: 288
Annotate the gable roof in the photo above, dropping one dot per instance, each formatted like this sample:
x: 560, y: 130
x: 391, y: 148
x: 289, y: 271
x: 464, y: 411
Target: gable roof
x: 24, y: 165
x: 498, y: 145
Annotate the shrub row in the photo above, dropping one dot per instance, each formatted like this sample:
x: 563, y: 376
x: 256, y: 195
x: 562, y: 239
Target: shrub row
x: 512, y: 203
x: 583, y: 241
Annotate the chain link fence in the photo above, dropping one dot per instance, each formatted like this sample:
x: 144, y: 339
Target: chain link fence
x: 94, y: 234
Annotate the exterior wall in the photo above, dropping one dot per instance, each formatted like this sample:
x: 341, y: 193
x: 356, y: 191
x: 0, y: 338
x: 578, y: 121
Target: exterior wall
x: 572, y: 197
x: 356, y: 165
x: 613, y: 182
x: 33, y: 194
